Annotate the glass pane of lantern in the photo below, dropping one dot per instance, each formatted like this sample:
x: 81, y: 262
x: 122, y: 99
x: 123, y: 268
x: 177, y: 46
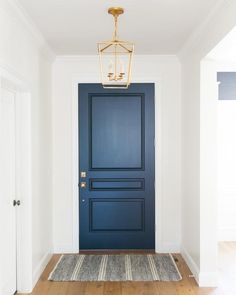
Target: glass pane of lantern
x: 115, y: 64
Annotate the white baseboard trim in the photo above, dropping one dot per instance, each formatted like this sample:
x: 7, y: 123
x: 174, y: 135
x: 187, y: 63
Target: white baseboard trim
x: 40, y: 268
x: 227, y: 234
x: 203, y: 279
x: 208, y: 279
x: 168, y: 248
x: 64, y: 249
x: 191, y: 264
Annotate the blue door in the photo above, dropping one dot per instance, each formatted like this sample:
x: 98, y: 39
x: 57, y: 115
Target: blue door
x: 116, y: 167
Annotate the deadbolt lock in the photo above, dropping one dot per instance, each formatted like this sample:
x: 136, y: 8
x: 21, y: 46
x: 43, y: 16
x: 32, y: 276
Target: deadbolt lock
x: 83, y: 174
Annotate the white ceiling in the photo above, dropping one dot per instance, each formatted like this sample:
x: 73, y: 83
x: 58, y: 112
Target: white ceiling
x: 225, y: 50
x: 155, y: 26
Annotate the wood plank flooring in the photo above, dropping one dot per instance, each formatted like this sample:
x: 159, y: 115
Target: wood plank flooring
x: 187, y: 286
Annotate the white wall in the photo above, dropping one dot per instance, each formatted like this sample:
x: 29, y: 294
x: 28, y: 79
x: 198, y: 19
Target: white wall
x: 208, y: 174
x: 226, y: 163
x: 199, y: 198
x: 199, y: 204
x: 66, y: 72
x: 227, y: 170
x: 23, y: 53
x: 191, y: 163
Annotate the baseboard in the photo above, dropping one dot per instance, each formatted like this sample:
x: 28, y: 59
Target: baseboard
x: 191, y: 264
x: 227, y: 234
x: 40, y: 268
x: 208, y: 279
x: 64, y: 249
x: 203, y: 279
x: 168, y: 248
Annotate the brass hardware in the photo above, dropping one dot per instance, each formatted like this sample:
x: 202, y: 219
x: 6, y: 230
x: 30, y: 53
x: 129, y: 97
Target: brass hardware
x: 83, y: 184
x: 115, y: 57
x: 83, y: 174
x: 116, y: 11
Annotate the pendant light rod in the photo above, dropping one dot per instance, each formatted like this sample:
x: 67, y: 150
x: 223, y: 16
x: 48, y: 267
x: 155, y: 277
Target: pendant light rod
x: 116, y: 12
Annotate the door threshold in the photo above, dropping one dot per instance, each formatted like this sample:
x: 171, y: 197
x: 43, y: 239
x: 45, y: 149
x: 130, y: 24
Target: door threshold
x: 117, y: 251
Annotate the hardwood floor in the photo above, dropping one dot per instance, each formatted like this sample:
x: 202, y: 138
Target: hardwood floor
x: 188, y: 286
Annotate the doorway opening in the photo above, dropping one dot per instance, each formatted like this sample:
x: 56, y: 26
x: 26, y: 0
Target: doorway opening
x: 218, y: 169
x: 159, y: 243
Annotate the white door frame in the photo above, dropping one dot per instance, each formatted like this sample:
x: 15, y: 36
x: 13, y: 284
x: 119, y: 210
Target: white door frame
x: 12, y: 82
x: 159, y: 247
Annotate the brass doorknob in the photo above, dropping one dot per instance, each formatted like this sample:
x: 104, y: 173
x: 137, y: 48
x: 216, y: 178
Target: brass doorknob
x: 83, y: 184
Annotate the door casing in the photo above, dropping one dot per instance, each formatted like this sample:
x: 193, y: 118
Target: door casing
x: 159, y: 247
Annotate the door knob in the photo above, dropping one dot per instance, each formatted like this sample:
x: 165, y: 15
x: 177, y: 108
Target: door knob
x: 16, y: 202
x: 82, y: 184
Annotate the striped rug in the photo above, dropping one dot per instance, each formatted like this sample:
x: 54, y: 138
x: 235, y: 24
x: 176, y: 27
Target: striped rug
x: 156, y: 267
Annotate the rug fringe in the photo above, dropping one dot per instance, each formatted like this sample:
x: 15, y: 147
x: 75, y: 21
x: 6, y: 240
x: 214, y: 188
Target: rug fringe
x: 50, y: 275
x: 176, y: 267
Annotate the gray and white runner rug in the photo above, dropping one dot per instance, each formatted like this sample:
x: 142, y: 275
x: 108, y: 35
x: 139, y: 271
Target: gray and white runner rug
x: 76, y: 267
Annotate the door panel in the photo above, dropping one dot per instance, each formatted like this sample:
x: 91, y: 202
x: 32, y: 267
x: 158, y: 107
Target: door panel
x: 105, y: 214
x: 7, y: 194
x: 116, y: 124
x: 115, y: 184
x: 116, y: 140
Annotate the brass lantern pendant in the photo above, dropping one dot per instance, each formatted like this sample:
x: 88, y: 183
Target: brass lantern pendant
x: 115, y: 58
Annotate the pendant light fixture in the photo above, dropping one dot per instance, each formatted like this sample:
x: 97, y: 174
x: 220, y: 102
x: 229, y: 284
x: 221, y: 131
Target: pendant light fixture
x: 115, y: 57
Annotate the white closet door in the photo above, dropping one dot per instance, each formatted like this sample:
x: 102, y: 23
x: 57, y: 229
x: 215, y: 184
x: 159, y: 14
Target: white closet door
x: 7, y: 194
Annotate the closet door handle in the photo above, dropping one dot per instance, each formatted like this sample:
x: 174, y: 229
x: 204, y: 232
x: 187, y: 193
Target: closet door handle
x: 16, y: 203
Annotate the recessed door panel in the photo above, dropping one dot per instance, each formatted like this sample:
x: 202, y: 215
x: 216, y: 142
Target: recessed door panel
x: 116, y: 156
x: 116, y: 184
x: 105, y: 214
x: 116, y: 125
